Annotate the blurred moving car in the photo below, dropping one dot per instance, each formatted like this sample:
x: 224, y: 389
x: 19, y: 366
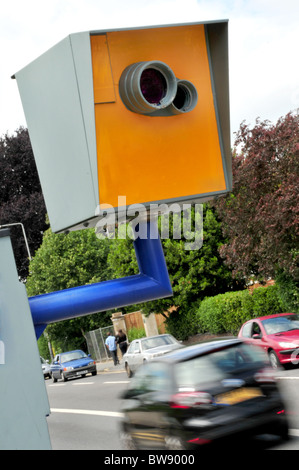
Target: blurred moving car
x: 45, y: 367
x: 72, y: 364
x: 277, y: 334
x: 146, y: 349
x: 201, y: 394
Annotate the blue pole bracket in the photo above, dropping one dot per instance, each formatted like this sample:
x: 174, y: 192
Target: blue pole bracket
x: 151, y: 283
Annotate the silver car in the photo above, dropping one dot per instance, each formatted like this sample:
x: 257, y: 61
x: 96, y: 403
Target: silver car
x: 145, y: 349
x: 45, y: 367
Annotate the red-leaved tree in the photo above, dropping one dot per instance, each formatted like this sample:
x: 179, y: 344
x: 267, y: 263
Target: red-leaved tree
x: 260, y: 217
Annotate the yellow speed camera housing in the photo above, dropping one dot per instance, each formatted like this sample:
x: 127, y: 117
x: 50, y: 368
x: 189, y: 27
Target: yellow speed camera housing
x: 139, y: 113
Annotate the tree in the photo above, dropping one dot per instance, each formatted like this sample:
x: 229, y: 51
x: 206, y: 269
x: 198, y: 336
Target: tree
x: 260, y: 217
x: 194, y: 274
x: 21, y: 198
x: 64, y: 261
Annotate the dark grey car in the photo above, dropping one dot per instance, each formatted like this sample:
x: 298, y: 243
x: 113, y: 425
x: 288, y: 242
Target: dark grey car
x: 201, y: 394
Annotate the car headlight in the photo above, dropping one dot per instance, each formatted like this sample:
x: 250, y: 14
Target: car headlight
x: 286, y: 345
x: 66, y: 369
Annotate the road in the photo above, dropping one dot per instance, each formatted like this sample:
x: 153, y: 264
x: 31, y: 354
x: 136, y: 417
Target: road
x: 85, y: 412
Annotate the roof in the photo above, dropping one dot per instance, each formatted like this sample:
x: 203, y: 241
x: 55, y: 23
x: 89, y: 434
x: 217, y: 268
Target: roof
x: 274, y: 315
x: 183, y: 354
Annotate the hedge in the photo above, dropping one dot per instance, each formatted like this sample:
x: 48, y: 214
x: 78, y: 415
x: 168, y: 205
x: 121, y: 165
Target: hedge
x: 225, y: 313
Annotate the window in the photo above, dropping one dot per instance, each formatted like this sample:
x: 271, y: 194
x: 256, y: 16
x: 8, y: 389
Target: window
x: 131, y: 348
x: 136, y: 349
x: 157, y: 341
x: 246, y: 331
x: 256, y: 329
x: 72, y: 356
x: 152, y: 377
x: 217, y: 365
x: 282, y: 323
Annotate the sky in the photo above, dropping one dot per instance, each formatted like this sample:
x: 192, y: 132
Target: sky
x: 263, y: 45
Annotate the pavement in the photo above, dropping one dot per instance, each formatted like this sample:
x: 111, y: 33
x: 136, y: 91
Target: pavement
x: 108, y: 366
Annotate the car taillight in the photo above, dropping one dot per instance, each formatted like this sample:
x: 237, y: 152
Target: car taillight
x: 190, y: 399
x: 265, y: 375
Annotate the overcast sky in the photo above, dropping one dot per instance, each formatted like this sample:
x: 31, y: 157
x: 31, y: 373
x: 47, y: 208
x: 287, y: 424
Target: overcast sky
x: 263, y: 45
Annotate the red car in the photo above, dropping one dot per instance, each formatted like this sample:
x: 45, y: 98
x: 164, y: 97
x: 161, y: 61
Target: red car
x: 277, y: 334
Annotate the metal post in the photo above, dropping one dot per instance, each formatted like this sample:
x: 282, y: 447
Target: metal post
x: 24, y: 234
x: 151, y: 283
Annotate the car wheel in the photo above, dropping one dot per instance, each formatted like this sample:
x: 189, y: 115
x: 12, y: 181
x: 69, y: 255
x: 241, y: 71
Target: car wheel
x: 62, y: 376
x: 128, y: 370
x: 274, y: 361
x: 174, y: 443
x: 94, y: 373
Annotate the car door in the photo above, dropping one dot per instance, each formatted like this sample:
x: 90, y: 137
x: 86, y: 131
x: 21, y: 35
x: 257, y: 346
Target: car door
x: 254, y: 334
x: 149, y: 394
x: 135, y: 355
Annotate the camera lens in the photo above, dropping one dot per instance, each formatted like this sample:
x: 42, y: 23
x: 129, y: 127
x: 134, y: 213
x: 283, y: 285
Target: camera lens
x: 153, y: 85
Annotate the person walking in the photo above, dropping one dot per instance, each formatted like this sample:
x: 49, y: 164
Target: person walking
x: 121, y: 340
x: 112, y: 347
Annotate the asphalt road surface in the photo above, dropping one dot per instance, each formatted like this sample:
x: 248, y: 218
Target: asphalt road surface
x: 85, y: 412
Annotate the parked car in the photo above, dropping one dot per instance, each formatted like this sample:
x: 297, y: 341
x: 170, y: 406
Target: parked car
x: 45, y: 367
x: 277, y: 334
x: 146, y: 349
x: 201, y: 394
x: 72, y: 364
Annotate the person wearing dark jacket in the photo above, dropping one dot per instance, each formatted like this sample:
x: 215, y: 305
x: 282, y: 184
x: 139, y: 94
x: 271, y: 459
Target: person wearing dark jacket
x: 121, y: 340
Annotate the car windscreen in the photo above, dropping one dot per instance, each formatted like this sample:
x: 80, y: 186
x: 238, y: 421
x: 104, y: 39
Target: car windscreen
x: 281, y: 324
x: 72, y: 356
x: 162, y: 340
x: 218, y: 365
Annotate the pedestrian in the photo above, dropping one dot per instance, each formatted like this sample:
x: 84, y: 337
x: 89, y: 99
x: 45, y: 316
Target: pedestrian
x: 121, y: 340
x: 112, y: 347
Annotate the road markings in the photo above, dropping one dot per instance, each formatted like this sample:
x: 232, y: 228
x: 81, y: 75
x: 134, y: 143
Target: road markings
x: 118, y: 382
x: 115, y: 414
x: 112, y: 414
x: 83, y: 383
x: 287, y: 378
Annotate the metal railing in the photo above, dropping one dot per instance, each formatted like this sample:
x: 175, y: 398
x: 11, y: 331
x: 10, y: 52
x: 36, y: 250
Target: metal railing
x: 96, y: 343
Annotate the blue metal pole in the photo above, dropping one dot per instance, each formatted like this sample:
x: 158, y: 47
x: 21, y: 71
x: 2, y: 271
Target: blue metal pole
x: 151, y: 283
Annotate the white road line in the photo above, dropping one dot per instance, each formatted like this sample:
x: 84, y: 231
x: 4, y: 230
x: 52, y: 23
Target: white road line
x: 115, y: 414
x: 287, y: 378
x: 118, y: 382
x: 112, y: 414
x: 83, y: 383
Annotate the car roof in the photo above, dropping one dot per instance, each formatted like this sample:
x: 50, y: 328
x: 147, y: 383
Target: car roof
x: 188, y: 352
x: 274, y: 315
x: 155, y: 336
x: 74, y: 350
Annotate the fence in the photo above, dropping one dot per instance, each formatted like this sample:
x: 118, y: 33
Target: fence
x: 96, y: 343
x: 96, y: 339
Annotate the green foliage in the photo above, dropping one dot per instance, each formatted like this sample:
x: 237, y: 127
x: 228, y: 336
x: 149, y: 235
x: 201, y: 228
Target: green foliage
x: 43, y: 348
x: 182, y: 324
x: 288, y: 291
x: 65, y: 261
x: 135, y: 333
x: 194, y: 274
x: 227, y: 312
